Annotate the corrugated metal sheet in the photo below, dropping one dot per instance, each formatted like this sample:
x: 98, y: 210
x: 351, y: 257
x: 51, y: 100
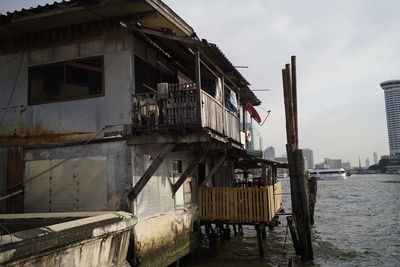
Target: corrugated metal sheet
x: 79, y: 184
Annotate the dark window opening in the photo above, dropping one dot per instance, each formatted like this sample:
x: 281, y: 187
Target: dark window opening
x: 177, y: 166
x: 147, y: 76
x: 82, y: 78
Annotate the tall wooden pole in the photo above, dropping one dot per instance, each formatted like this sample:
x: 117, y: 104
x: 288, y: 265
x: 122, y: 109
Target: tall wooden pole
x: 294, y: 94
x: 298, y: 180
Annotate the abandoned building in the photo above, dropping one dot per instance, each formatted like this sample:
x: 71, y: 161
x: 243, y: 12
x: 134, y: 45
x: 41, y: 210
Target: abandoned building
x: 114, y: 106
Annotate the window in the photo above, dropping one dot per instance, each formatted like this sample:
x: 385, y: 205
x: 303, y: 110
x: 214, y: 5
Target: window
x: 81, y: 78
x: 177, y: 166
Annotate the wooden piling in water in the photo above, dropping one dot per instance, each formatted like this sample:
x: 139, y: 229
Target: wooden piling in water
x: 298, y: 182
x: 312, y: 186
x: 260, y: 241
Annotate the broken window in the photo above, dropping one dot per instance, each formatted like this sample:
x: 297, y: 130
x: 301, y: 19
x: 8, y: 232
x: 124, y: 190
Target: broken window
x: 81, y: 78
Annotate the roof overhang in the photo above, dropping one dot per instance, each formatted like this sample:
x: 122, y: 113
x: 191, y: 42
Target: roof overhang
x: 65, y: 13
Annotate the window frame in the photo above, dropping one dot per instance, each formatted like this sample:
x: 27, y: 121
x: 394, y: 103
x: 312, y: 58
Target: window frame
x: 101, y: 57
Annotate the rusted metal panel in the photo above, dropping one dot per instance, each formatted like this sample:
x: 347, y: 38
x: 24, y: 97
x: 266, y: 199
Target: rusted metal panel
x: 15, y: 171
x: 78, y: 184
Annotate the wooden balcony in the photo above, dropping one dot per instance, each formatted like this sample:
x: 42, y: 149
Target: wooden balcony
x: 184, y: 107
x: 240, y: 205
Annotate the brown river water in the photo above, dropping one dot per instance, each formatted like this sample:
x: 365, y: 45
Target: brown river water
x: 356, y: 224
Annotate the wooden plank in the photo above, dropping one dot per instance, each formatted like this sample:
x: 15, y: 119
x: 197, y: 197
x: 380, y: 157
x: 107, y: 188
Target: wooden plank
x: 200, y: 156
x: 15, y: 167
x: 165, y: 150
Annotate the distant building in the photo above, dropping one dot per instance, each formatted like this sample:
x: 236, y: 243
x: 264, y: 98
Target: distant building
x: 333, y: 163
x: 321, y: 165
x: 375, y: 158
x: 392, y: 102
x: 367, y: 163
x: 269, y: 153
x: 346, y: 165
x: 308, y: 155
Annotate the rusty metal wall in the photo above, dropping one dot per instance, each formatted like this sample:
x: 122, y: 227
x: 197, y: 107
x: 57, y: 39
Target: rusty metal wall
x: 74, y: 120
x: 96, y: 178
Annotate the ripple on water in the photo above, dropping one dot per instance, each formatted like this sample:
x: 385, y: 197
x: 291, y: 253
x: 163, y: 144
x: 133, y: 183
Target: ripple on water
x: 356, y: 224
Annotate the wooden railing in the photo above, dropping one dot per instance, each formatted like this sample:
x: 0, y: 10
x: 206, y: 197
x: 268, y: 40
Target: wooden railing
x: 240, y: 205
x: 185, y: 106
x: 218, y: 118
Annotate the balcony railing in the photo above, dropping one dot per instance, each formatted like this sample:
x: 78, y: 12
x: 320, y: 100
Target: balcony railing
x: 183, y: 106
x: 240, y: 205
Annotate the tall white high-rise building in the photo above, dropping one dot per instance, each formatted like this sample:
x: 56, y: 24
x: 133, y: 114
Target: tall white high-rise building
x: 375, y: 158
x: 392, y: 102
x: 367, y: 163
x: 308, y: 155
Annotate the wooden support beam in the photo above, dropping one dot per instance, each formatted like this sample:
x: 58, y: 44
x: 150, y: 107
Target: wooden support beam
x: 185, y: 174
x: 165, y: 35
x: 213, y: 170
x: 165, y: 150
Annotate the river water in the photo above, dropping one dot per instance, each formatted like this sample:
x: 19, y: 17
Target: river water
x: 356, y: 224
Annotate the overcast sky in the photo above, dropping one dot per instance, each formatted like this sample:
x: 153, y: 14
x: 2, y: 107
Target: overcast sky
x: 344, y: 50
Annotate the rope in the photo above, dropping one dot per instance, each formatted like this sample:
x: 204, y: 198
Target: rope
x: 52, y: 167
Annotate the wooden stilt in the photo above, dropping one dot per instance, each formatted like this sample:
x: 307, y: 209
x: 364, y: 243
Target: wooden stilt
x: 234, y: 230
x: 240, y: 230
x: 293, y: 233
x: 264, y: 233
x: 259, y: 239
x: 312, y: 186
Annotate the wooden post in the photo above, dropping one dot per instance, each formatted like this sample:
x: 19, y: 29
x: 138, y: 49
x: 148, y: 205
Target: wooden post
x: 260, y: 242
x: 298, y: 182
x: 264, y: 175
x: 293, y: 233
x: 213, y: 170
x: 312, y: 186
x: 294, y: 95
x: 300, y: 202
x: 197, y: 62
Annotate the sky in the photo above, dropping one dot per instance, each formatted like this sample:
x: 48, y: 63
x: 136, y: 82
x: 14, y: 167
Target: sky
x: 344, y: 49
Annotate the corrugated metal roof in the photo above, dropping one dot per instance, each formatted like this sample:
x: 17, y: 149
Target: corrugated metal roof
x: 39, y: 9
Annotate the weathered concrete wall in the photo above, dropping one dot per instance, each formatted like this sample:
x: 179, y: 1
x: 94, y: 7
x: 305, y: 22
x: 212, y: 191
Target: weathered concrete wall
x: 71, y: 120
x: 156, y: 197
x: 164, y: 232
x: 164, y: 239
x: 95, y: 178
x: 100, y: 240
